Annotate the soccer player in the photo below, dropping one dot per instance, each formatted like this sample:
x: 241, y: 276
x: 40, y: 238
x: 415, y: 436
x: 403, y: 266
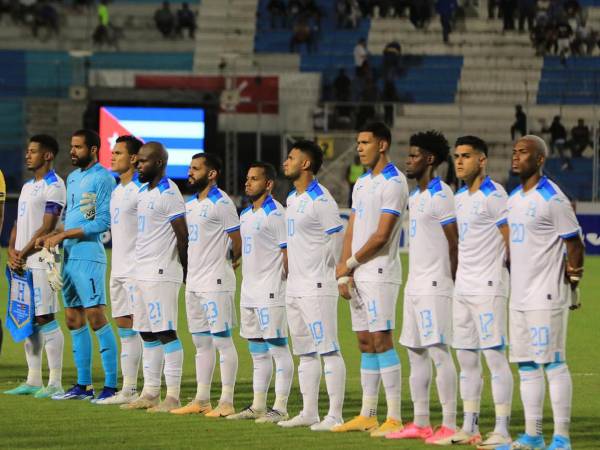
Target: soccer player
x: 371, y: 257
x: 123, y: 224
x: 262, y: 301
x: 41, y: 202
x: 87, y: 217
x: 546, y: 254
x: 160, y: 267
x: 426, y: 324
x: 480, y: 294
x: 313, y: 220
x: 210, y: 287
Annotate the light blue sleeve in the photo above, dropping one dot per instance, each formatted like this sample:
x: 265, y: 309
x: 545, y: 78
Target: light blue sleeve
x: 105, y: 184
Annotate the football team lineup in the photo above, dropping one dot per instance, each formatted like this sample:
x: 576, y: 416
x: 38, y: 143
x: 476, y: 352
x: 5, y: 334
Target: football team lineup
x: 467, y: 251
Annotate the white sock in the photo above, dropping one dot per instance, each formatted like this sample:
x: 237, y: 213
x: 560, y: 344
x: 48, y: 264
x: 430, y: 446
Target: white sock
x: 389, y: 368
x: 173, y: 367
x: 131, y: 353
x: 284, y: 374
x: 561, y: 396
x: 33, y: 354
x: 228, y: 364
x: 533, y: 390
x: 54, y: 343
x: 502, y: 387
x: 309, y: 377
x: 261, y: 376
x: 206, y: 357
x: 420, y: 382
x: 370, y: 379
x: 335, y: 380
x: 446, y: 382
x: 471, y: 385
x: 152, y: 362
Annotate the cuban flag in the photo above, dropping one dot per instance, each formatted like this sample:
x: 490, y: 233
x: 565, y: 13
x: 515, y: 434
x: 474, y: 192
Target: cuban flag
x: 180, y: 130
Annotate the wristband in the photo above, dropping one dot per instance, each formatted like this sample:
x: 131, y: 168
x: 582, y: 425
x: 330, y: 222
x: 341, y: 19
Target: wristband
x: 352, y: 263
x: 343, y: 280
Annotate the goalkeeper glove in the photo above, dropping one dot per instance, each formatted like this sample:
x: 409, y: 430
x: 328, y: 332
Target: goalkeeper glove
x: 51, y: 258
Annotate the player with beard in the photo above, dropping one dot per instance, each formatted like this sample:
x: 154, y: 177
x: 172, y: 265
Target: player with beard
x: 262, y: 300
x: 210, y: 286
x: 161, y: 262
x: 87, y: 217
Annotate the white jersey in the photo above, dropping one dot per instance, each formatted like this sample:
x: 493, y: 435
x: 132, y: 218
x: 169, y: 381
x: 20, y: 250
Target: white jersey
x: 539, y: 221
x: 481, y: 250
x: 385, y: 193
x: 47, y: 195
x: 312, y: 218
x: 429, y: 271
x: 156, y: 257
x: 263, y: 237
x: 123, y: 227
x: 209, y: 222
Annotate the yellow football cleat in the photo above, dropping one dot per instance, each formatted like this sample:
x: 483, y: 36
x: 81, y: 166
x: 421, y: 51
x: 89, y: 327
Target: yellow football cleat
x: 389, y: 426
x: 359, y: 423
x: 193, y: 407
x: 222, y: 410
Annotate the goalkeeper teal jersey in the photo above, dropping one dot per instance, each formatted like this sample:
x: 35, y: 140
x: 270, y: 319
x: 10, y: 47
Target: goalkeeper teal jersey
x: 88, y: 207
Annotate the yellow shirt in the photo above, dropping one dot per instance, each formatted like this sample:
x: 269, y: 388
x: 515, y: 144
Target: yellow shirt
x: 2, y: 188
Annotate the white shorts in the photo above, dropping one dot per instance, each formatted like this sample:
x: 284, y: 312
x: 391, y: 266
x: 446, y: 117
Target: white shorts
x: 426, y: 321
x: 212, y: 312
x: 373, y: 306
x: 121, y: 296
x: 313, y: 324
x: 538, y: 336
x: 479, y: 322
x: 155, y: 306
x: 263, y: 323
x: 45, y: 299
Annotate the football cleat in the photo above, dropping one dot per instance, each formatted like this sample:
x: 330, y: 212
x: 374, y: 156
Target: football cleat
x: 411, y: 431
x: 167, y: 405
x: 273, y: 416
x: 560, y: 443
x: 222, y: 410
x: 440, y: 433
x: 359, y: 423
x: 525, y: 442
x: 24, y: 389
x: 326, y: 424
x: 247, y: 413
x: 49, y: 391
x: 299, y: 421
x: 461, y: 437
x: 143, y: 402
x: 193, y: 407
x: 107, y: 392
x: 494, y: 440
x: 389, y: 426
x: 77, y: 392
x: 121, y: 398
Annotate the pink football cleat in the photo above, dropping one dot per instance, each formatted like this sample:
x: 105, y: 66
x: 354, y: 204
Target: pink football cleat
x: 411, y: 431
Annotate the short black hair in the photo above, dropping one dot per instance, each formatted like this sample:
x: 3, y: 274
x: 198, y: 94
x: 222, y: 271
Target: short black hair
x: 268, y: 169
x: 313, y: 151
x: 132, y: 143
x: 473, y: 141
x: 46, y: 142
x: 380, y: 130
x: 433, y: 142
x: 213, y: 162
x: 91, y: 138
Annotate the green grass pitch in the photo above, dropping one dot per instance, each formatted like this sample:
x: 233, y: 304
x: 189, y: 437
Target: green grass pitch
x: 31, y: 423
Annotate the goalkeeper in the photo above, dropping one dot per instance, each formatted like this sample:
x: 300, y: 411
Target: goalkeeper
x: 40, y: 205
x: 87, y: 216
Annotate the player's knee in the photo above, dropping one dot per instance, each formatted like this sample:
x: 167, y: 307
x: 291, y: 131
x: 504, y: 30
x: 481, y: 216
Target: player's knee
x: 382, y: 341
x: 365, y: 342
x: 95, y: 317
x: 166, y: 336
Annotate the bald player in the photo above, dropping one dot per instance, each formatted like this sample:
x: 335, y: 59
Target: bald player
x: 546, y: 266
x: 161, y: 264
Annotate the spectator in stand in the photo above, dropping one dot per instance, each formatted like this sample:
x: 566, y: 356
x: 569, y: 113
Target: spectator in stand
x: 44, y: 15
x: 419, y: 13
x: 369, y: 95
x: 361, y: 56
x: 580, y: 139
x: 391, y: 59
x: 353, y: 173
x: 564, y: 38
x: 165, y: 19
x: 301, y: 34
x: 558, y: 136
x: 347, y: 13
x: 277, y: 11
x: 527, y: 11
x: 389, y: 95
x: 342, y: 87
x: 186, y: 19
x: 493, y: 9
x: 446, y: 9
x: 585, y: 40
x: 103, y: 33
x: 520, y: 124
x: 508, y: 9
x: 556, y: 11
